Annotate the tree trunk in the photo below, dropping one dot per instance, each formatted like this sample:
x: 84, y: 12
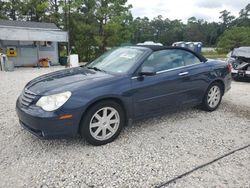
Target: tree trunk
x: 101, y: 34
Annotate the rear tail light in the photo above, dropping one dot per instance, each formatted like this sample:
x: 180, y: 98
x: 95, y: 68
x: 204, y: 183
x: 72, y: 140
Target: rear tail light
x: 229, y: 66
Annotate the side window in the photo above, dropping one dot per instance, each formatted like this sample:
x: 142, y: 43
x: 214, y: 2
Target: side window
x: 164, y: 60
x: 189, y: 58
x: 170, y: 59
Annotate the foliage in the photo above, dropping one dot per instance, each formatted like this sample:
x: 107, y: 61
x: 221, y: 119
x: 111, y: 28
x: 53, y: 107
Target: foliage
x: 10, y: 9
x: 94, y: 25
x: 234, y: 37
x: 97, y: 24
x: 226, y: 18
x: 113, y: 17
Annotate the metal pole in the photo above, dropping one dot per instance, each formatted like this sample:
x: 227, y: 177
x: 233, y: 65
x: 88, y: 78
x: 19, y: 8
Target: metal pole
x: 37, y: 49
x: 69, y: 48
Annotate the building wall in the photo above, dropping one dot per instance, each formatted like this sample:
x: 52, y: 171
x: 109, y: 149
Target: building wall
x: 50, y: 52
x: 28, y: 53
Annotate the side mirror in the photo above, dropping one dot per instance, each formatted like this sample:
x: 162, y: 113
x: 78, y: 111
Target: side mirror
x: 147, y: 71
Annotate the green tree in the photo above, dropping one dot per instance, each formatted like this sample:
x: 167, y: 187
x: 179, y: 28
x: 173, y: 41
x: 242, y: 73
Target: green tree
x: 234, y: 37
x: 194, y: 30
x: 3, y: 10
x: 159, y: 26
x: 83, y: 28
x: 174, y: 32
x: 211, y: 31
x: 142, y: 30
x: 106, y: 11
x: 226, y: 18
x: 94, y: 25
x: 118, y: 30
x: 33, y: 10
x: 244, y: 18
x: 54, y: 15
x: 11, y: 9
x: 245, y: 12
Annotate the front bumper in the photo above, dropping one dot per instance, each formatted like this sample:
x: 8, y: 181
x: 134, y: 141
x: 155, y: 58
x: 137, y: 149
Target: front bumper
x: 240, y: 74
x: 46, y: 124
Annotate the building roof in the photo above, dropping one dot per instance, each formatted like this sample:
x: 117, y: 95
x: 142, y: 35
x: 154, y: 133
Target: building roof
x: 31, y: 31
x: 28, y: 24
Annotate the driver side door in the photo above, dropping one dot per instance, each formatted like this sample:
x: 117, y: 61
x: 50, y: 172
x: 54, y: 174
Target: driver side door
x: 162, y: 91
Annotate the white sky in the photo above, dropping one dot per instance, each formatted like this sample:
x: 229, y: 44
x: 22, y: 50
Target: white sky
x: 184, y: 9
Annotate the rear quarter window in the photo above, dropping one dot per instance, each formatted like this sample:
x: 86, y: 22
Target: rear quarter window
x: 171, y: 59
x: 189, y: 58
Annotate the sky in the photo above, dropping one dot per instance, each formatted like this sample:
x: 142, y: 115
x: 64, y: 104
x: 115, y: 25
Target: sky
x: 208, y: 10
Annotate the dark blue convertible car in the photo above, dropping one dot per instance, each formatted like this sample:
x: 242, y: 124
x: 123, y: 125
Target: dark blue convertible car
x: 127, y: 83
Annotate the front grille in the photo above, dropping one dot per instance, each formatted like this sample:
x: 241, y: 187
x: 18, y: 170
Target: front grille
x: 27, y: 97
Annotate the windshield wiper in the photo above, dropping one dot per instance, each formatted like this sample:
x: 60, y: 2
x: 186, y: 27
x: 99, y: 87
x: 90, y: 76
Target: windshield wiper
x: 96, y: 69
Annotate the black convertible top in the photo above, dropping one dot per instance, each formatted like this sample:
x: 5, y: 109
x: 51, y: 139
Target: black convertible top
x: 158, y: 48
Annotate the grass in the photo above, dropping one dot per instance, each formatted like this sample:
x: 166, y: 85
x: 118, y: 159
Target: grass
x: 214, y: 55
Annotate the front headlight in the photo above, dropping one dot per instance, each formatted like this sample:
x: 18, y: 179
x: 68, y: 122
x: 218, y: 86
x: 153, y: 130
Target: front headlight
x: 53, y: 102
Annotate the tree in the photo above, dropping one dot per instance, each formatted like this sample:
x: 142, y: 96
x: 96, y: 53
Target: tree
x: 194, y: 30
x: 159, y: 27
x: 102, y: 24
x: 3, y: 14
x: 245, y: 12
x: 105, y: 12
x: 175, y: 32
x: 235, y: 37
x: 54, y: 15
x: 11, y: 9
x: 244, y: 18
x: 192, y: 20
x: 211, y: 32
x: 33, y: 10
x: 226, y: 18
x: 142, y: 30
x: 94, y: 25
x: 119, y: 30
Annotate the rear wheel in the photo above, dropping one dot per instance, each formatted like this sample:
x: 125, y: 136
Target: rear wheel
x: 102, y: 123
x: 213, y: 97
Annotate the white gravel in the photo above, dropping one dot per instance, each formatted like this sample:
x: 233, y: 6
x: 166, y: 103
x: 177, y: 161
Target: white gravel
x: 146, y: 154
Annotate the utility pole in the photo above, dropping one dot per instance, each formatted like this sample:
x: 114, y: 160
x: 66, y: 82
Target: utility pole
x: 69, y: 47
x: 67, y: 21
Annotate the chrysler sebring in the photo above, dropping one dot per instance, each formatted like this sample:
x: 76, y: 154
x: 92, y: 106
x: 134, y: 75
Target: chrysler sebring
x: 124, y: 84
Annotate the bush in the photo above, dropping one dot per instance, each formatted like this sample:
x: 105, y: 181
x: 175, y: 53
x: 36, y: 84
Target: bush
x: 233, y: 38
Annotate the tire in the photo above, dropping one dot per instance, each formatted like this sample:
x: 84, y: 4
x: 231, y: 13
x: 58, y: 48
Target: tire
x: 98, y: 130
x: 213, y: 96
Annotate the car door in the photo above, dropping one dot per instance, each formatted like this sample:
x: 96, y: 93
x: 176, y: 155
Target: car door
x: 163, y: 91
x: 194, y: 78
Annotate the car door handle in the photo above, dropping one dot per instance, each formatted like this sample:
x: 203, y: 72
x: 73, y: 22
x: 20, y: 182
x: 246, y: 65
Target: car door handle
x: 183, y: 73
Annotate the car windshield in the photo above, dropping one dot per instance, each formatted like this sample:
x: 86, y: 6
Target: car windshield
x: 119, y: 60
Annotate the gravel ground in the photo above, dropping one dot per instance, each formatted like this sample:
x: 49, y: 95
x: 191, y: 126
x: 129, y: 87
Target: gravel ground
x: 146, y: 154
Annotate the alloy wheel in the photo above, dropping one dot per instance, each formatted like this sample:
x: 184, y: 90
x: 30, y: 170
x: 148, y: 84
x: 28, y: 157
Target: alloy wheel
x: 104, y: 123
x: 213, y: 97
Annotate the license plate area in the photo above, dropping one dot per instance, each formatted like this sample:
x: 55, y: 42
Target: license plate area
x: 241, y: 73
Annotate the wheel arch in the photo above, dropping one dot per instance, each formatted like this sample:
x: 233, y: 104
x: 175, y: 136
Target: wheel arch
x: 110, y: 98
x: 221, y: 82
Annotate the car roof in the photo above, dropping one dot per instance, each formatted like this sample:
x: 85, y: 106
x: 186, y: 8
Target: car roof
x: 158, y: 48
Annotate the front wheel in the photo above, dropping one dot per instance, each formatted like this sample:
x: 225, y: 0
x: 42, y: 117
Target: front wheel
x: 213, y: 97
x: 102, y: 123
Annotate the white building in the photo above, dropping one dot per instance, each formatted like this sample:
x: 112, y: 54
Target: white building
x: 27, y: 42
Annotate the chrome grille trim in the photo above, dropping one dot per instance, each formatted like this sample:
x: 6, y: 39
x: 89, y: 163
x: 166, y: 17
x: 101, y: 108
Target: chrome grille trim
x: 27, y: 97
x: 27, y: 100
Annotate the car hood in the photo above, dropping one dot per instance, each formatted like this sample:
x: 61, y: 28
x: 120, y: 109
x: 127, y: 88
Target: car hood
x: 64, y: 80
x: 241, y: 52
